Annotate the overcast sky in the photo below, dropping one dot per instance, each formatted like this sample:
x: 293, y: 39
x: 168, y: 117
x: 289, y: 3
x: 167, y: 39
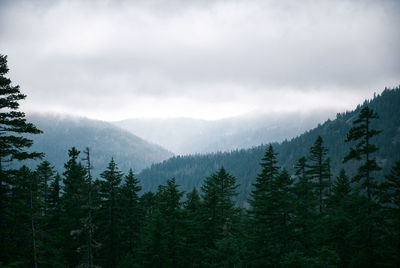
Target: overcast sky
x: 113, y: 60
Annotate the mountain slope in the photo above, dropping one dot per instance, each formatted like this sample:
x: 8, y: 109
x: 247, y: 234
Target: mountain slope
x: 104, y: 140
x: 189, y: 136
x: 191, y: 170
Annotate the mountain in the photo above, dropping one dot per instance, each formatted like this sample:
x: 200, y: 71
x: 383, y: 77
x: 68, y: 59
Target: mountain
x: 104, y: 140
x: 190, y: 136
x: 191, y: 170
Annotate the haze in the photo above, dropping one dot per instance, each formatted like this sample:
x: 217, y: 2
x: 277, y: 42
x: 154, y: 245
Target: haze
x: 113, y: 60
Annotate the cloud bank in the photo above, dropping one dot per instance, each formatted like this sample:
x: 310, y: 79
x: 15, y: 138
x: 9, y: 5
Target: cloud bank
x: 207, y: 59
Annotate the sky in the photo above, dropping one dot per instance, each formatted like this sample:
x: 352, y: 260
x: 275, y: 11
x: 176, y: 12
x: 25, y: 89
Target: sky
x: 113, y: 60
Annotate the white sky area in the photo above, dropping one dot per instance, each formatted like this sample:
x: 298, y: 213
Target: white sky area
x: 113, y: 60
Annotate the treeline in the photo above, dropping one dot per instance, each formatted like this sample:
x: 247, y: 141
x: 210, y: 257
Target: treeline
x: 190, y: 171
x: 305, y: 219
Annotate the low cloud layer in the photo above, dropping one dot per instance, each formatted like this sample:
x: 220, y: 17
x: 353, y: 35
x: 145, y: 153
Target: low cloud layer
x: 207, y: 59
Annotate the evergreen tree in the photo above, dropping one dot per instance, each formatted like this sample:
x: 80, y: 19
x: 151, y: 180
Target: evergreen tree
x: 13, y: 146
x: 170, y: 206
x: 45, y: 173
x: 54, y: 245
x: 319, y: 170
x: 260, y: 203
x: 110, y: 218
x: 132, y: 215
x: 192, y: 230
x: 363, y: 150
x: 74, y: 211
x: 280, y: 209
x: 218, y: 211
x: 25, y: 210
x: 153, y: 251
x: 390, y: 199
x: 304, y: 216
x: 341, y: 225
x: 89, y: 222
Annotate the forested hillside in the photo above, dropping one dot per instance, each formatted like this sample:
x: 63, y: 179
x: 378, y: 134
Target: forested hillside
x: 298, y: 217
x: 105, y: 140
x: 190, y: 171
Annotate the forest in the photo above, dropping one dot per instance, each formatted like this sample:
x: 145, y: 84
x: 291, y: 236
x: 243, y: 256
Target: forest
x: 299, y: 217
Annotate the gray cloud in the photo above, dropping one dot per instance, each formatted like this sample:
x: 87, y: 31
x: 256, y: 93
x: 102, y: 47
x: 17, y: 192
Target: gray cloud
x: 115, y: 59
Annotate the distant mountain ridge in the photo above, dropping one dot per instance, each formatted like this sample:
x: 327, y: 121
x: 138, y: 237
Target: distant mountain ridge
x: 105, y: 140
x: 191, y: 136
x: 191, y: 170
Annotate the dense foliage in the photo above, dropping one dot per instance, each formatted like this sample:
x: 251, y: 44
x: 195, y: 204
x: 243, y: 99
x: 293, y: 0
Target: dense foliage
x: 300, y: 217
x: 106, y: 223
x: 191, y: 170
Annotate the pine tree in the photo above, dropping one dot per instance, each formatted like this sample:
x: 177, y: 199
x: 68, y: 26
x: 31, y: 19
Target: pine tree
x: 218, y: 211
x: 192, y: 230
x: 170, y: 206
x: 342, y: 220
x: 132, y: 215
x: 319, y: 171
x: 260, y: 203
x: 153, y: 251
x: 45, y: 173
x: 110, y: 218
x: 89, y: 223
x: 304, y: 214
x: 54, y: 245
x: 363, y: 150
x: 74, y: 210
x: 390, y: 199
x: 13, y: 145
x: 280, y: 210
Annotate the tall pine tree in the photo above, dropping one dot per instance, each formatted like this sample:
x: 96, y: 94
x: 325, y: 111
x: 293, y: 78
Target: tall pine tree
x: 362, y: 133
x: 13, y: 146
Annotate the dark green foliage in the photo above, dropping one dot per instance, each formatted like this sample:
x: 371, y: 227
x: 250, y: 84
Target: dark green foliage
x: 109, y: 218
x: 260, y: 207
x: 191, y: 170
x: 362, y: 133
x: 132, y: 215
x: 304, y: 217
x: 319, y: 171
x: 390, y: 200
x: 219, y: 217
x: 192, y: 227
x: 342, y: 220
x: 74, y: 211
x: 13, y: 146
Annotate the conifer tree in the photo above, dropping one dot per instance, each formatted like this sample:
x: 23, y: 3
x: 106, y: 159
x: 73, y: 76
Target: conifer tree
x: 74, y: 210
x: 89, y: 223
x: 319, y: 170
x: 54, y: 243
x: 260, y: 203
x: 132, y: 215
x: 192, y: 229
x: 218, y: 210
x: 153, y: 251
x: 304, y: 213
x: 390, y: 199
x: 362, y: 132
x: 13, y: 144
x: 280, y: 210
x: 170, y: 206
x: 45, y: 173
x: 341, y: 225
x: 110, y: 215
